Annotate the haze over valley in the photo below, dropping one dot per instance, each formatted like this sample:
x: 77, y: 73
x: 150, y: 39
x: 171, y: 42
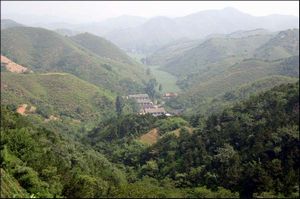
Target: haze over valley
x: 198, y: 104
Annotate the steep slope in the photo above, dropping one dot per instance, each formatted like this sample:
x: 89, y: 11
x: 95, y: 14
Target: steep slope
x: 249, y: 148
x: 56, y: 94
x: 213, y: 51
x: 242, y: 92
x: 47, y: 164
x: 250, y: 70
x: 175, y: 49
x: 43, y: 50
x: 102, y: 47
x: 12, y: 66
x: 10, y: 186
x: 171, y: 51
x: 8, y: 23
x: 148, y: 36
x: 284, y: 44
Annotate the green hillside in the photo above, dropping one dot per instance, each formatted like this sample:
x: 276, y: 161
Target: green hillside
x: 214, y: 50
x: 10, y: 188
x: 244, y: 72
x: 208, y: 84
x: 8, y: 23
x: 57, y: 94
x: 242, y: 92
x: 284, y: 44
x: 169, y: 52
x: 46, y: 51
x: 46, y: 164
x: 102, y: 47
x: 251, y: 148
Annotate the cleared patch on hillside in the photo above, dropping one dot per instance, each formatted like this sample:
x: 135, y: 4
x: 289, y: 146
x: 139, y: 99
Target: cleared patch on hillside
x: 22, y: 109
x: 151, y: 137
x: 12, y: 66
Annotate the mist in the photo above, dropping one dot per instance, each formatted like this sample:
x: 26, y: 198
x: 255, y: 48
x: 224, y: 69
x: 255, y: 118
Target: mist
x: 33, y: 12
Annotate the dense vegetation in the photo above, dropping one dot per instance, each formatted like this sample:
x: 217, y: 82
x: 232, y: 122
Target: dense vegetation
x: 102, y: 47
x: 43, y: 50
x: 47, y: 164
x: 75, y: 134
x: 58, y: 94
x: 252, y: 148
x: 222, y: 64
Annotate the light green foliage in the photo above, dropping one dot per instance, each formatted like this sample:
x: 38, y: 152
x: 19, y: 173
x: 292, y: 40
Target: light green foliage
x: 102, y: 47
x: 45, y: 51
x: 57, y: 94
x: 170, y: 124
x: 167, y: 80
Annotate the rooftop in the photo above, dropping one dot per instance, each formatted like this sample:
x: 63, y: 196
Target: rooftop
x: 155, y: 110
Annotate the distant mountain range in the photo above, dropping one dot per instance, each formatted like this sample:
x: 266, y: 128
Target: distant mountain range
x: 138, y: 34
x: 158, y: 31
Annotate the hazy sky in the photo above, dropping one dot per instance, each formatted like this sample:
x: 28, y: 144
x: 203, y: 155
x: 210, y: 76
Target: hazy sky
x: 89, y: 11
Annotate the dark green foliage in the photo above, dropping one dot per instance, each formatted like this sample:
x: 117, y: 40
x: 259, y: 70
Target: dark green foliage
x: 49, y: 165
x: 250, y: 148
x: 150, y: 87
x: 123, y: 126
x: 160, y: 88
x: 119, y: 105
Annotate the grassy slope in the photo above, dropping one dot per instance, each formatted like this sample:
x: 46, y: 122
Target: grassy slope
x: 284, y: 44
x: 59, y: 93
x: 167, y: 80
x: 243, y: 92
x: 171, y: 51
x: 10, y: 186
x: 244, y: 72
x: 44, y: 50
x: 102, y: 47
x: 214, y: 50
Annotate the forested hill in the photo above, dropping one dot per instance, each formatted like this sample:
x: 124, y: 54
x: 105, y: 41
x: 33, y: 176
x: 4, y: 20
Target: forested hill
x: 102, y: 47
x: 59, y: 95
x: 43, y: 50
x: 250, y: 148
x: 8, y: 23
x: 40, y: 163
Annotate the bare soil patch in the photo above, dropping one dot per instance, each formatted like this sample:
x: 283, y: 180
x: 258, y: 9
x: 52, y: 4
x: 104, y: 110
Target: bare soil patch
x: 22, y: 109
x: 12, y: 66
x: 151, y: 137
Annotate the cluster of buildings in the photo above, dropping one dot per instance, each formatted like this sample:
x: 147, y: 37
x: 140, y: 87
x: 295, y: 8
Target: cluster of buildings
x: 147, y: 106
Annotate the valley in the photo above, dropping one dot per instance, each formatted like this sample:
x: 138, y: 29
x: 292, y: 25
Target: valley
x: 167, y: 80
x: 204, y: 105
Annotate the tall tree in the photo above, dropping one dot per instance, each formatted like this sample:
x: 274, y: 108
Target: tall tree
x: 119, y: 105
x: 150, y: 87
x: 160, y: 87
